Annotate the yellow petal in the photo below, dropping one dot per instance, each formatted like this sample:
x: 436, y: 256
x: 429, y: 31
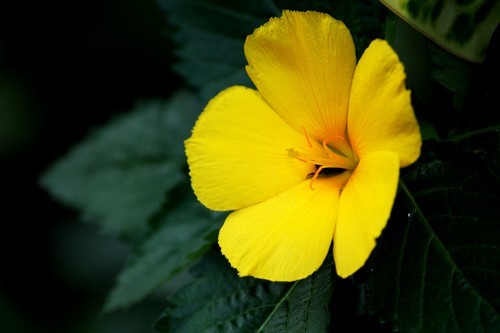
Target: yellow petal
x: 302, y: 64
x: 380, y: 112
x: 287, y: 237
x: 241, y: 153
x: 364, y: 208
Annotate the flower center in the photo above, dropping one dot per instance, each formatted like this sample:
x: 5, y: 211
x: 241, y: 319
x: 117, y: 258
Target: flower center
x: 337, y: 156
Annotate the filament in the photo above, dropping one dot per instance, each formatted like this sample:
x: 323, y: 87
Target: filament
x: 331, y: 158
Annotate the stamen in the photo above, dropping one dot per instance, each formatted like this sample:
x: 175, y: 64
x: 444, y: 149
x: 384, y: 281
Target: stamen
x: 303, y: 159
x: 331, y: 162
x: 330, y: 139
x: 341, y: 145
x: 329, y: 152
x: 316, y: 174
x: 307, y: 137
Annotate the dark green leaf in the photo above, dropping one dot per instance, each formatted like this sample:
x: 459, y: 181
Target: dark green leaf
x: 183, y: 236
x: 437, y: 265
x: 219, y: 301
x: 364, y: 18
x: 210, y: 35
x: 480, y: 110
x: 454, y: 74
x: 478, y: 129
x: 120, y: 175
x: 428, y: 131
x: 306, y: 309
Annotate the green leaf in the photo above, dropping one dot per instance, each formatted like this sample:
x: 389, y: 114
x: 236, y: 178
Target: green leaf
x: 462, y: 27
x: 436, y: 267
x: 217, y: 300
x: 184, y: 235
x: 306, y: 307
x: 119, y: 176
x: 210, y: 36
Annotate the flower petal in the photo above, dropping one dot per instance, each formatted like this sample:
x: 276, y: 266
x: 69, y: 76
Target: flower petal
x: 287, y: 237
x: 380, y: 112
x: 302, y: 64
x: 241, y: 152
x: 364, y: 208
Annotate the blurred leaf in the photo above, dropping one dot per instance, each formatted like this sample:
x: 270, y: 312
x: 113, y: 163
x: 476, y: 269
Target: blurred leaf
x: 120, y: 175
x: 479, y: 120
x: 219, y: 301
x: 184, y: 235
x: 436, y: 267
x: 428, y: 131
x: 454, y: 74
x: 478, y: 129
x: 461, y: 27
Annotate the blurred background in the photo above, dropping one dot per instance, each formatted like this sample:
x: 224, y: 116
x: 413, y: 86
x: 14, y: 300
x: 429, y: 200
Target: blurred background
x: 65, y: 68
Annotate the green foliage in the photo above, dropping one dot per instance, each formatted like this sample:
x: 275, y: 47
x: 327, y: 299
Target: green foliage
x: 305, y: 307
x: 462, y: 27
x: 364, y: 18
x: 217, y: 300
x: 436, y: 265
x: 440, y: 250
x: 183, y: 236
x: 210, y: 35
x: 454, y: 74
x: 120, y: 175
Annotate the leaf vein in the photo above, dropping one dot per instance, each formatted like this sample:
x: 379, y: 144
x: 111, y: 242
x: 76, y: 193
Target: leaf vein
x: 278, y: 305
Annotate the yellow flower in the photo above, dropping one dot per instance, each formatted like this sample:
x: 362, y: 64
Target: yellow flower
x: 311, y: 156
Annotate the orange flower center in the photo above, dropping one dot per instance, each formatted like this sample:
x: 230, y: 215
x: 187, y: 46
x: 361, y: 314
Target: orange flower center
x: 337, y: 156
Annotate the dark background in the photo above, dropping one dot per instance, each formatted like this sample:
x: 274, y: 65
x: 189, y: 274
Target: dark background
x: 65, y: 68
